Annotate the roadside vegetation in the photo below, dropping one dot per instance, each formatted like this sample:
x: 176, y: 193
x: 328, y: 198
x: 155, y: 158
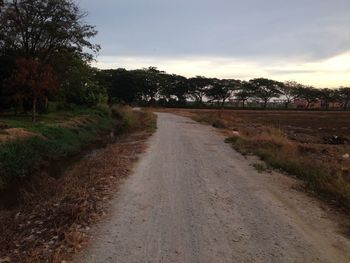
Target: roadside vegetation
x: 54, y: 211
x: 54, y: 137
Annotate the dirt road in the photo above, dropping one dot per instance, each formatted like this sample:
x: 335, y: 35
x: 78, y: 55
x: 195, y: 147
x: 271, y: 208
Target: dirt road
x: 193, y: 199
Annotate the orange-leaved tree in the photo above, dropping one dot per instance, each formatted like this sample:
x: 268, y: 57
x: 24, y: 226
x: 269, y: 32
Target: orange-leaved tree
x: 33, y: 80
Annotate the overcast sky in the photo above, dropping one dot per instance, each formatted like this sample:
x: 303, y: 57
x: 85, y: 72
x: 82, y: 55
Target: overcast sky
x: 303, y: 40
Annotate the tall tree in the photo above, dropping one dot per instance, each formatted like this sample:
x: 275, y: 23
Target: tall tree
x: 41, y: 29
x: 326, y: 96
x: 52, y: 32
x: 245, y: 92
x: 150, y: 85
x: 290, y: 92
x: 180, y: 88
x: 343, y: 95
x: 221, y: 90
x: 266, y: 89
x: 34, y: 80
x: 198, y: 88
x: 309, y: 94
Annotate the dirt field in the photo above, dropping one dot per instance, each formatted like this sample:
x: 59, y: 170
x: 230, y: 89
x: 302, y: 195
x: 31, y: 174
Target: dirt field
x: 302, y: 126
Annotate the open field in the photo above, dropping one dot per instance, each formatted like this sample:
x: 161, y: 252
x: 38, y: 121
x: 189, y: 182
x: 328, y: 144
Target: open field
x: 311, y: 145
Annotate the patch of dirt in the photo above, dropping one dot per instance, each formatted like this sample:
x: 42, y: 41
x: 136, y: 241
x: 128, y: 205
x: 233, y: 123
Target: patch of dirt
x: 77, y: 122
x: 55, y: 215
x: 16, y: 133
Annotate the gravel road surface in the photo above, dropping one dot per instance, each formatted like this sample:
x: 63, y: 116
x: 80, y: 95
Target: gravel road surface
x: 192, y: 198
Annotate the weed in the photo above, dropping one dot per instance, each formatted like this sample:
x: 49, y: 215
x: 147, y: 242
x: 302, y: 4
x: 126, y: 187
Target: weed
x: 260, y: 167
x: 218, y: 124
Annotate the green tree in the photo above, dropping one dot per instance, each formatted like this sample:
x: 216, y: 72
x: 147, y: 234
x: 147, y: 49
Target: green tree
x: 266, y: 89
x: 309, y: 94
x: 54, y: 33
x: 343, y: 95
x: 245, y: 92
x: 149, y: 83
x: 290, y: 91
x: 79, y: 83
x: 122, y: 85
x: 198, y: 88
x: 326, y: 96
x: 41, y: 29
x: 221, y: 90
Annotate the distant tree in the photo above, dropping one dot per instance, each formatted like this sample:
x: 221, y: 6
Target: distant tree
x: 266, y: 89
x: 198, y: 88
x: 343, y: 95
x: 290, y: 91
x: 122, y: 85
x: 221, y: 90
x: 309, y: 94
x: 34, y: 80
x: 245, y: 92
x: 172, y: 86
x: 150, y: 83
x: 326, y: 96
x: 180, y: 88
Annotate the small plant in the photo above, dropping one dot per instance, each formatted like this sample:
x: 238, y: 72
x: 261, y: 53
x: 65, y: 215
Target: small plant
x: 260, y: 167
x: 218, y: 124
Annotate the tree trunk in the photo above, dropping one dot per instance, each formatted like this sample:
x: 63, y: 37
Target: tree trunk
x: 307, y: 105
x: 34, y: 110
x: 265, y: 104
x: 243, y: 104
x: 223, y: 103
x: 286, y: 104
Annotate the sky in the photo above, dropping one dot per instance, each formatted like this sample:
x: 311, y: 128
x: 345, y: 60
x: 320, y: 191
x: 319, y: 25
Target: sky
x: 303, y: 40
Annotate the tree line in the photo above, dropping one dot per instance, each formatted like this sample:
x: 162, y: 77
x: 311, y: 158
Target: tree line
x: 46, y: 49
x: 151, y: 86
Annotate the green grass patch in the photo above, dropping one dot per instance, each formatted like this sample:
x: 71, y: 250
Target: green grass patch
x: 57, y: 140
x: 260, y: 167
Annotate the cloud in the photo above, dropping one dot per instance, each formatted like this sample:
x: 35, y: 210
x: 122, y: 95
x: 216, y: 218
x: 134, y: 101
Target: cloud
x: 224, y: 37
x: 332, y: 72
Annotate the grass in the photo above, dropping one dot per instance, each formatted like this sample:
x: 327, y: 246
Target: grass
x: 60, y: 135
x: 280, y: 153
x: 212, y: 120
x: 67, y: 204
x: 260, y: 167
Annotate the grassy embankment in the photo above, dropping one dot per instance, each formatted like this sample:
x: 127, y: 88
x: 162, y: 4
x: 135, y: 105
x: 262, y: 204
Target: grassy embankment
x: 52, y: 214
x: 26, y: 146
x: 319, y: 164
